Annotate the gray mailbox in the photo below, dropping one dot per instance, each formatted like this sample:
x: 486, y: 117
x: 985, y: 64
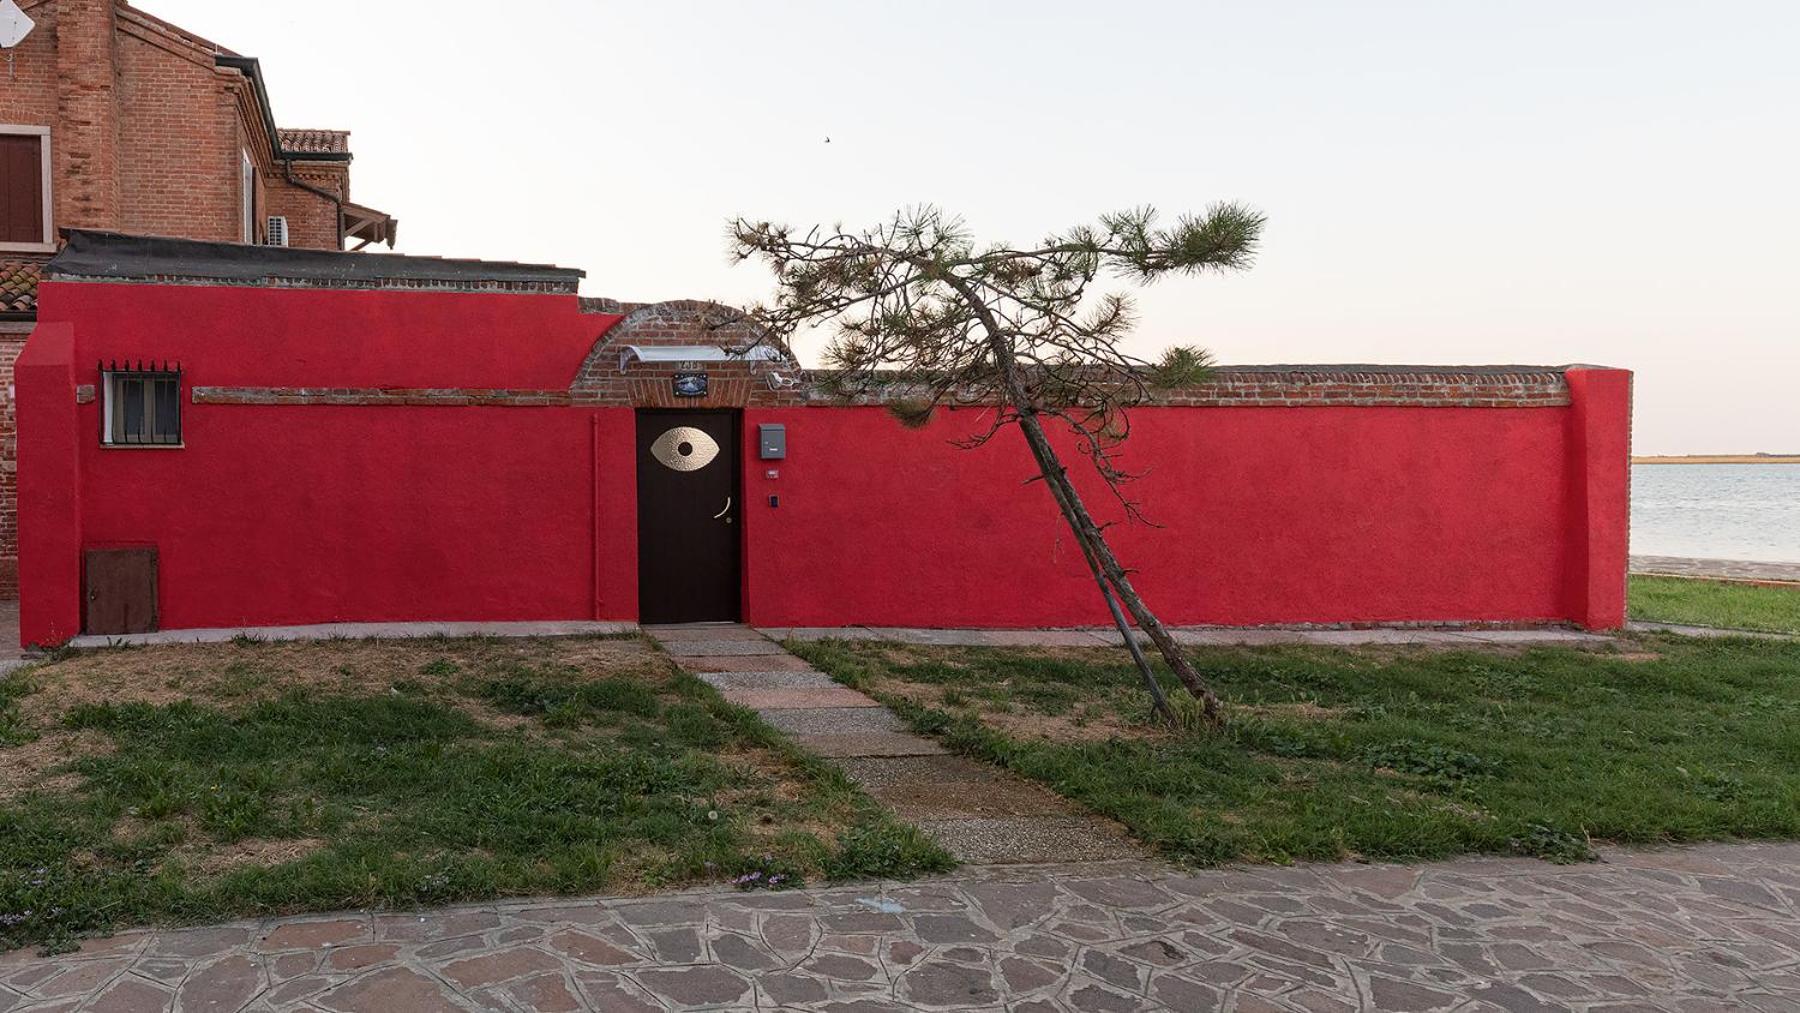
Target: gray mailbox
x: 772, y: 441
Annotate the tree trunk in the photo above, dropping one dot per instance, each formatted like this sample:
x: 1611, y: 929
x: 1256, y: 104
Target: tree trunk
x: 1074, y: 511
x: 1089, y: 534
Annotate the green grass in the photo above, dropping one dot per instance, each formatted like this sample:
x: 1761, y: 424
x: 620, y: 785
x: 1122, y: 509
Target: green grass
x: 1391, y: 754
x: 1715, y: 603
x: 205, y: 783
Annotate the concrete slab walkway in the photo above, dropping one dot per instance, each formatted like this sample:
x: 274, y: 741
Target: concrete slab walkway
x: 1719, y: 569
x: 1712, y: 928
x: 979, y: 813
x: 1197, y: 636
x: 356, y: 631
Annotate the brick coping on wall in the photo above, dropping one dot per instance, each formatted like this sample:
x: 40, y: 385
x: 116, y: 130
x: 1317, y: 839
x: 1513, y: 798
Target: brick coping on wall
x: 1242, y: 386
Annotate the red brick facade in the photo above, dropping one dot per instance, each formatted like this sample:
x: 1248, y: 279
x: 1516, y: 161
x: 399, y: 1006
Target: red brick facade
x: 148, y: 131
x: 149, y: 126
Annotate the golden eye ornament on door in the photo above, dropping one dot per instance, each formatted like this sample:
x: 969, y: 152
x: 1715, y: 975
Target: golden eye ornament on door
x: 684, y: 448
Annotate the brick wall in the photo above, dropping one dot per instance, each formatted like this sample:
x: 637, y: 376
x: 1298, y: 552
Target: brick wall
x: 146, y: 131
x: 12, y: 341
x: 312, y: 219
x: 87, y: 152
x: 181, y: 138
x: 29, y: 95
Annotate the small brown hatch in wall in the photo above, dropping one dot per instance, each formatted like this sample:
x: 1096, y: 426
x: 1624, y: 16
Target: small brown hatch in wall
x: 121, y: 591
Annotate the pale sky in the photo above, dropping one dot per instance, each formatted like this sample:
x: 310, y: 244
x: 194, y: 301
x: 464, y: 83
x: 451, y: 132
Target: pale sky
x: 1446, y: 182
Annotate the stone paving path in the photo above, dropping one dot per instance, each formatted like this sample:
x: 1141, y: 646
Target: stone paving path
x: 976, y: 811
x: 1729, y: 569
x: 1709, y: 928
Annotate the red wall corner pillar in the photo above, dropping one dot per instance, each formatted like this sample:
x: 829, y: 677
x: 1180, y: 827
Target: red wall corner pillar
x: 1600, y: 521
x: 49, y: 487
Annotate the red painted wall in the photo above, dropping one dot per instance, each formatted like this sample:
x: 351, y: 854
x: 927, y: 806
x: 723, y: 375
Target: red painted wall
x: 288, y: 515
x: 231, y: 336
x: 312, y: 513
x: 275, y: 515
x: 1268, y: 515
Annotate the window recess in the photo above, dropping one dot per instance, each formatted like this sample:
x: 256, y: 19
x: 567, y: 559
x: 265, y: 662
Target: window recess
x: 141, y: 405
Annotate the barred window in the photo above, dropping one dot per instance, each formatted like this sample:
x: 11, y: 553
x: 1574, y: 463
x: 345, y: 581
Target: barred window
x: 142, y: 406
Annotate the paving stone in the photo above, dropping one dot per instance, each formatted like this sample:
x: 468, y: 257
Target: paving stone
x: 833, y: 720
x: 1011, y: 905
x: 714, y: 648
x: 1115, y: 971
x: 940, y: 929
x: 196, y: 943
x: 1024, y: 975
x: 590, y: 949
x: 802, y: 697
x: 854, y: 744
x: 722, y: 631
x: 355, y: 958
x: 504, y: 965
x: 79, y: 979
x: 745, y: 663
x: 911, y: 787
x: 1030, y: 839
x: 677, y: 946
x: 696, y: 986
x: 1095, y: 998
x: 767, y: 680
x: 940, y: 983
x: 313, y: 935
x: 736, y: 951
x: 843, y: 967
x: 417, y: 927
x: 1406, y: 997
x: 543, y: 993
x: 788, y: 989
x: 390, y: 990
x: 223, y: 986
x: 1121, y: 893
x: 614, y: 993
x: 126, y: 995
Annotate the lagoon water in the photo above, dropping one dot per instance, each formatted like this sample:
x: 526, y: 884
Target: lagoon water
x: 1716, y: 511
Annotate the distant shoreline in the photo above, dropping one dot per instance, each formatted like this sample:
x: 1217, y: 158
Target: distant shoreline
x: 1719, y: 459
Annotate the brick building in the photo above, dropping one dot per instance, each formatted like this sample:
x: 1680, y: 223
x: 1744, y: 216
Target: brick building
x: 113, y: 119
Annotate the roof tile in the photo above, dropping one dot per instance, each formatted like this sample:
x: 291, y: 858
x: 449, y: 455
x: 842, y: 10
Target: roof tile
x: 316, y: 142
x: 18, y: 285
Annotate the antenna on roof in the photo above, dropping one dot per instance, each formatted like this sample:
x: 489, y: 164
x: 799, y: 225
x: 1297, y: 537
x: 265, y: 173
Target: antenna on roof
x: 14, y: 26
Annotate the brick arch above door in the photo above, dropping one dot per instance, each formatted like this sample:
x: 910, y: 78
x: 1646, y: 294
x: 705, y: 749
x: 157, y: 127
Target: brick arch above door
x: 734, y: 384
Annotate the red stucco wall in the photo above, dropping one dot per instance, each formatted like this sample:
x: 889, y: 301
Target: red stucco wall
x: 1268, y: 515
x: 286, y: 514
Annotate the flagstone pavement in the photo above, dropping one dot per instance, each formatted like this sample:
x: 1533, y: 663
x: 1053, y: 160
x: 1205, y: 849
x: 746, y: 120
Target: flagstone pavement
x: 1708, y: 928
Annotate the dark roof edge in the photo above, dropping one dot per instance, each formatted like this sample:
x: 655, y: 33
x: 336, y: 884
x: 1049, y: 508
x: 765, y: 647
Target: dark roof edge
x: 95, y: 255
x: 251, y: 68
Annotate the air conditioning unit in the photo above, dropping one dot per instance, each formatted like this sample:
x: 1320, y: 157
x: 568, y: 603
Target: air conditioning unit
x: 277, y: 234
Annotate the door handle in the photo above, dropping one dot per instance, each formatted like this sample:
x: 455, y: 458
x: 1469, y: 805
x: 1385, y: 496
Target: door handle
x: 724, y: 510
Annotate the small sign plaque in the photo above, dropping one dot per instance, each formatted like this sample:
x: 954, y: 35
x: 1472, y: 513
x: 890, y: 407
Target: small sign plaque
x: 690, y: 384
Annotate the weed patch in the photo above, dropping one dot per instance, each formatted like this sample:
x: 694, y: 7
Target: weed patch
x: 1386, y: 754
x: 254, y: 778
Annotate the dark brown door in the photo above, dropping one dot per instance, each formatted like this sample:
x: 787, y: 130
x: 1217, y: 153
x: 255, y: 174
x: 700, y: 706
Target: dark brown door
x: 121, y: 591
x: 688, y: 510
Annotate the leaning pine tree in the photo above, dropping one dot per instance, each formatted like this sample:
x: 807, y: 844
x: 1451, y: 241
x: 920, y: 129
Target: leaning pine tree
x: 925, y: 319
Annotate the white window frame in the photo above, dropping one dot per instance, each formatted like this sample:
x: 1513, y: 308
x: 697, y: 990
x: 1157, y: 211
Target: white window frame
x: 49, y: 243
x: 108, y: 407
x: 247, y: 183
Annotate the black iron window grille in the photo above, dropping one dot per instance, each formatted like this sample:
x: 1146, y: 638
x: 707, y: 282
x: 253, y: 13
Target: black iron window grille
x: 141, y: 404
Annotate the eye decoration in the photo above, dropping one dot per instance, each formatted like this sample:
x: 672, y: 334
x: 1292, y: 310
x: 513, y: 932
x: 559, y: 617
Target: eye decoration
x: 684, y: 448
